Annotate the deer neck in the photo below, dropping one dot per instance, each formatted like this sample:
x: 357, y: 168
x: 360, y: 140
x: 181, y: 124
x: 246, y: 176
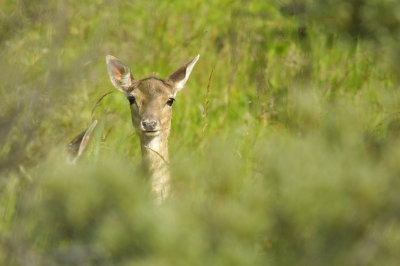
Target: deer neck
x: 155, y: 157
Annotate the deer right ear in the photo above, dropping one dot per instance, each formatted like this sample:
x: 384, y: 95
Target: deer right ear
x: 120, y: 75
x: 180, y: 76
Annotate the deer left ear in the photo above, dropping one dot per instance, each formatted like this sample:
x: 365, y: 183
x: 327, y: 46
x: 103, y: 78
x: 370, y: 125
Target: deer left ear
x: 180, y: 76
x: 120, y: 75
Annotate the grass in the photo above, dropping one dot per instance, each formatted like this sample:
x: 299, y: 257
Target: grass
x: 283, y: 147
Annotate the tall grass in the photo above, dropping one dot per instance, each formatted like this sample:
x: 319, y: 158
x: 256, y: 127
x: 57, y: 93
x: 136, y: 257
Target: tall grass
x: 284, y: 144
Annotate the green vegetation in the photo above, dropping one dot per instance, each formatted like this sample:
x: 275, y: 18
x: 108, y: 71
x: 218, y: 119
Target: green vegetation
x: 290, y: 158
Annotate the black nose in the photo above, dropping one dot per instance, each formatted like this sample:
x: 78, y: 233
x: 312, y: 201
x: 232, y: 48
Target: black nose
x: 149, y: 125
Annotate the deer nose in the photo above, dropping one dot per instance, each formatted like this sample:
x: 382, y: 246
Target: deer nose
x: 149, y: 125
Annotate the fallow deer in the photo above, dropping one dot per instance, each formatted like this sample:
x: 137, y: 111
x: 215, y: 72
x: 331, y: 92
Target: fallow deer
x: 150, y: 101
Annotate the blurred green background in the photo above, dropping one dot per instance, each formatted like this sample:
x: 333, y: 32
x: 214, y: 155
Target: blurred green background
x: 290, y: 157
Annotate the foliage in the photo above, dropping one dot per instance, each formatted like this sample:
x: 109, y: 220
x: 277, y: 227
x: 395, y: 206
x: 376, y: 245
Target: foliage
x: 289, y: 158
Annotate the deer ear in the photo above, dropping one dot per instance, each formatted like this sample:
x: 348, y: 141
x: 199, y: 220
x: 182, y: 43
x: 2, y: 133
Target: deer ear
x: 180, y: 76
x: 79, y: 143
x: 120, y: 75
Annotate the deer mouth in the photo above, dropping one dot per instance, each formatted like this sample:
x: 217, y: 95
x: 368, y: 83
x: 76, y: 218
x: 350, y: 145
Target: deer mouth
x: 151, y: 133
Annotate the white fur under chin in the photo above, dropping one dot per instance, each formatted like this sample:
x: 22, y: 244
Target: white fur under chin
x: 154, y: 143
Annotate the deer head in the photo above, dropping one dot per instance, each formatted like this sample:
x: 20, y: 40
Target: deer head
x: 150, y: 99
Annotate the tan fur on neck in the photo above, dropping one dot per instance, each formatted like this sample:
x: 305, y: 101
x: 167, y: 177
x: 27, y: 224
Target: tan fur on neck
x: 155, y: 155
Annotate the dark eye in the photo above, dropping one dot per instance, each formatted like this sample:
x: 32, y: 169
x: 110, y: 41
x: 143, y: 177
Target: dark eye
x: 131, y: 100
x: 170, y: 101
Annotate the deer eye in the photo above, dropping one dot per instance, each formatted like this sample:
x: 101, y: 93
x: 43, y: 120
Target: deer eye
x: 131, y: 100
x: 170, y: 101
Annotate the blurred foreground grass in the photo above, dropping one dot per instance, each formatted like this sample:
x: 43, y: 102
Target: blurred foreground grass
x: 291, y: 158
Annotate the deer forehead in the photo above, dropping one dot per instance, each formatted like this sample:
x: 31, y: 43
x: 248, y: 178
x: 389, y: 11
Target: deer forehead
x: 152, y: 88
